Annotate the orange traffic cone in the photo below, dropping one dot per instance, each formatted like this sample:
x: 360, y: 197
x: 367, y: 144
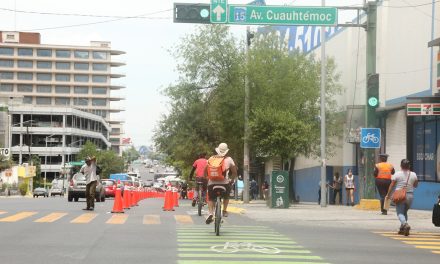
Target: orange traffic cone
x: 175, y: 198
x: 168, y: 201
x: 133, y: 198
x: 117, y: 205
x: 127, y: 200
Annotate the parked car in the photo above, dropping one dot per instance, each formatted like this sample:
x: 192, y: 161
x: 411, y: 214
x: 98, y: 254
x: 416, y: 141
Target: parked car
x: 109, y: 187
x: 77, y: 189
x: 56, y: 190
x: 40, y: 192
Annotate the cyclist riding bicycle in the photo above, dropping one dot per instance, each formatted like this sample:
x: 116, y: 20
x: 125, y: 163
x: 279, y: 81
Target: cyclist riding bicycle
x: 228, y: 171
x: 199, y: 168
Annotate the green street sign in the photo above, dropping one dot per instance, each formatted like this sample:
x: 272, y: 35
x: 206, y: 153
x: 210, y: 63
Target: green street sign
x: 280, y: 189
x: 282, y: 15
x: 219, y: 11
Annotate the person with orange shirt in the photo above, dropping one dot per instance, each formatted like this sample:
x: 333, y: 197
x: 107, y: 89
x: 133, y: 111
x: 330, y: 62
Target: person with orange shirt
x: 382, y: 172
x: 199, y: 168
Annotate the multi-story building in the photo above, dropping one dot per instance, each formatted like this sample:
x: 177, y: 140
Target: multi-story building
x: 60, y: 75
x: 65, y: 98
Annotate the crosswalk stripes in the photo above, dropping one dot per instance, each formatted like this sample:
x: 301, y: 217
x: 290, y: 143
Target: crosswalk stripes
x: 117, y: 219
x: 84, y: 218
x: 151, y: 220
x: 238, y: 245
x: 430, y: 241
x: 50, y: 218
x: 17, y: 217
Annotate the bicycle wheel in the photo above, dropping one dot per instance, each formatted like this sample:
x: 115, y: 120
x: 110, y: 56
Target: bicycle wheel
x: 200, y: 202
x: 218, y: 216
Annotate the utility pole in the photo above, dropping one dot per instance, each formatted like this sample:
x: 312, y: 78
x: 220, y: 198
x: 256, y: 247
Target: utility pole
x: 370, y: 112
x: 323, y: 79
x: 246, y: 123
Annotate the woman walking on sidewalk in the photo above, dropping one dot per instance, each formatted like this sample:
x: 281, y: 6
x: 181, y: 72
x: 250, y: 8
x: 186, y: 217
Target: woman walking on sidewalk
x: 404, y: 179
x: 349, y: 187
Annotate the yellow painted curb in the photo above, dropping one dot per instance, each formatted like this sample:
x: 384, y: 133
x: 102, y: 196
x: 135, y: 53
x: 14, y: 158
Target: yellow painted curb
x: 369, y: 204
x: 236, y: 210
x: 235, y: 202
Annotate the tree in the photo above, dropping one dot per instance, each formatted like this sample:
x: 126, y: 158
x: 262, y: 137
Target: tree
x: 5, y: 163
x: 37, y: 163
x: 130, y: 155
x: 108, y: 160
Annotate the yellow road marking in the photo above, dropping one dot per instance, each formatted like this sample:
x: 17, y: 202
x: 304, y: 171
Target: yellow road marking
x: 50, y: 218
x: 435, y: 252
x: 84, y: 218
x: 236, y: 210
x: 3, y: 212
x: 421, y: 243
x: 151, y: 220
x: 395, y: 233
x: 17, y: 217
x: 427, y: 247
x: 117, y: 219
x: 183, y: 219
x: 414, y: 235
x: 416, y: 239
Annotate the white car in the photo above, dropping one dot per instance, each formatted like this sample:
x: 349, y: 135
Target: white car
x: 151, y: 170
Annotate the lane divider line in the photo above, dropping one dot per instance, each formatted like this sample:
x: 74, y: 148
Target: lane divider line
x: 50, y: 218
x: 17, y: 217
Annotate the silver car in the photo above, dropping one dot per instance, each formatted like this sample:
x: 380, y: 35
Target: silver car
x: 77, y: 189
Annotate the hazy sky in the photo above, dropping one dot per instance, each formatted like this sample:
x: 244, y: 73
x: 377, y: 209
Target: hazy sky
x: 150, y: 67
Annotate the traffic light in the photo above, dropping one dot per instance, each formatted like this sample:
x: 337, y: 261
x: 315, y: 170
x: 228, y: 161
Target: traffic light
x: 373, y: 91
x: 191, y: 13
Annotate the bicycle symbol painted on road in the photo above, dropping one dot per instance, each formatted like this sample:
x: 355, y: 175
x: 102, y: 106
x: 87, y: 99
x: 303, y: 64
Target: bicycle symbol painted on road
x: 233, y: 247
x: 370, y: 137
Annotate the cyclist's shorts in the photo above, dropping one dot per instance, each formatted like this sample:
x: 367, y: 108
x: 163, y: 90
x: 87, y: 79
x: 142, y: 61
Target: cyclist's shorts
x: 204, y: 180
x: 213, y: 195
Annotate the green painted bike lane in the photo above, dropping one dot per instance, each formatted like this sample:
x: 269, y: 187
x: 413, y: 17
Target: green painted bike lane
x: 198, y: 244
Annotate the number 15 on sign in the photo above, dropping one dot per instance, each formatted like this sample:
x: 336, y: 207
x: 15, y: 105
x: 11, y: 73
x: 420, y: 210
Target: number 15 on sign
x: 219, y: 9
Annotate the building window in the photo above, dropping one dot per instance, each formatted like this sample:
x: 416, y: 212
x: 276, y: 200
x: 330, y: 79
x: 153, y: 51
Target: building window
x: 7, y: 51
x: 44, y: 76
x: 81, y: 66
x: 99, y: 102
x: 62, y: 53
x: 25, y: 64
x: 62, y: 101
x: 99, y: 67
x: 44, y: 52
x: 44, y: 89
x: 81, y: 54
x: 7, y: 63
x: 100, y: 55
x: 43, y: 101
x: 25, y: 76
x: 25, y: 52
x: 27, y: 100
x: 63, y: 65
x: 81, y: 78
x: 44, y: 64
x: 99, y: 78
x: 6, y: 87
x: 99, y: 90
x: 62, y: 77
x: 62, y: 89
x: 25, y: 88
x: 81, y: 90
x: 6, y: 75
x: 80, y: 101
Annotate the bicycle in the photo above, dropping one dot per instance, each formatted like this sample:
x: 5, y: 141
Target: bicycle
x: 233, y: 247
x: 370, y: 137
x: 201, y: 197
x: 219, y: 191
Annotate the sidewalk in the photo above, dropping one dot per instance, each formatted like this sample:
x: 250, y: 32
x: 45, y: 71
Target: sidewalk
x: 335, y: 216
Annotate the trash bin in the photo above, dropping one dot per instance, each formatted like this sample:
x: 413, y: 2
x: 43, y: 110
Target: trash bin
x: 279, y: 190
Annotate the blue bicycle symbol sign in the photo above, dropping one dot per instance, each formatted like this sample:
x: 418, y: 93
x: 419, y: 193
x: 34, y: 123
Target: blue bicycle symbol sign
x: 370, y: 137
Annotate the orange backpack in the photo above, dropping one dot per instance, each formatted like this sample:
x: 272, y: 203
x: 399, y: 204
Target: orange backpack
x: 215, y: 168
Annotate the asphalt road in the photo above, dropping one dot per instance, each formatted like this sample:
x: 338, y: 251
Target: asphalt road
x: 51, y: 230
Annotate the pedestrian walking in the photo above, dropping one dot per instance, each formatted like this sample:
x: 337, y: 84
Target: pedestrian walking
x: 349, y: 187
x: 89, y: 171
x: 382, y: 172
x: 265, y: 189
x: 404, y: 180
x: 337, y: 185
x: 254, y: 189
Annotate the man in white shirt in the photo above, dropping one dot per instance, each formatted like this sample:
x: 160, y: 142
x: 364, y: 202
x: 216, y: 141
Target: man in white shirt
x: 89, y: 171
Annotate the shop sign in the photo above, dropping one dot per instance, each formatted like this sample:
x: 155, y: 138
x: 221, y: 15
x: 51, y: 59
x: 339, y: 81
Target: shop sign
x: 422, y: 109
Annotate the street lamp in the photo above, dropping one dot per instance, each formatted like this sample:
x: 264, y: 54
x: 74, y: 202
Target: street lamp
x: 45, y: 160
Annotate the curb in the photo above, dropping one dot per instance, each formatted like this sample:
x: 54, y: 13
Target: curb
x: 236, y: 210
x: 369, y: 204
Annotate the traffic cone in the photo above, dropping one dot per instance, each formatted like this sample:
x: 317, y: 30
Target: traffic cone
x: 175, y: 198
x: 168, y: 201
x: 117, y: 205
x: 127, y: 200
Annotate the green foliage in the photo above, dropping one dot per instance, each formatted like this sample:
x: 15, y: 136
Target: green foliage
x: 23, y: 188
x: 108, y: 160
x: 37, y: 163
x: 5, y: 163
x: 207, y: 103
x: 130, y: 155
